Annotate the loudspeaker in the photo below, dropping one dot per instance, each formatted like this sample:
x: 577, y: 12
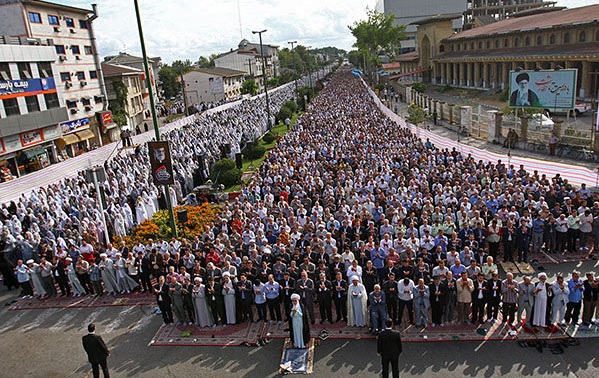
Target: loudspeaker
x: 182, y: 216
x: 238, y: 160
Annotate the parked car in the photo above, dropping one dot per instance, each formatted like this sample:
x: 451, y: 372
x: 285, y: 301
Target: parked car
x: 580, y: 107
x: 540, y: 121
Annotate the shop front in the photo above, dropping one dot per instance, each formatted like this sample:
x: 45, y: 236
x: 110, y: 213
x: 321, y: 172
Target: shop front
x: 75, y: 138
x: 109, y: 129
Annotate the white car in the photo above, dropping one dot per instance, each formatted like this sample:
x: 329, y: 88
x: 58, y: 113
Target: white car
x: 540, y: 121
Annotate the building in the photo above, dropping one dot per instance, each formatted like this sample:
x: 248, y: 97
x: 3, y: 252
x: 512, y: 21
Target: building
x: 31, y: 107
x: 408, y: 11
x: 480, y: 12
x: 133, y: 80
x: 212, y: 84
x: 483, y: 57
x: 248, y: 59
x: 70, y: 31
x: 154, y: 64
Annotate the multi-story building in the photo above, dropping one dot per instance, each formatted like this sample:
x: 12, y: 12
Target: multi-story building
x: 480, y: 12
x: 212, y: 84
x: 248, y: 58
x: 154, y: 64
x: 80, y: 79
x: 137, y: 101
x: 31, y: 107
x: 408, y: 11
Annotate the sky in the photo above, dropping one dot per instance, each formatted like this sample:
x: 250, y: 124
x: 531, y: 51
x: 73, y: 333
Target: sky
x: 188, y: 29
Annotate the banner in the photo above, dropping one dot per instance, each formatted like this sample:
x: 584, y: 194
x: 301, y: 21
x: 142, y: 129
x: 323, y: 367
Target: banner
x: 32, y: 137
x: 26, y: 87
x: 546, y: 89
x: 216, y: 85
x: 160, y: 163
x: 77, y: 124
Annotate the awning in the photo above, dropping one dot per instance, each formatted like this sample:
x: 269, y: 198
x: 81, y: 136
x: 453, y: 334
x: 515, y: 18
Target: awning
x: 69, y: 139
x: 85, y: 135
x: 30, y: 154
x: 409, y: 73
x: 110, y: 125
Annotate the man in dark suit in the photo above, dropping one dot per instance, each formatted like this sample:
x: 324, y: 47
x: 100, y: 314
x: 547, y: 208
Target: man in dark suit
x: 96, y: 350
x: 389, y: 347
x: 163, y: 300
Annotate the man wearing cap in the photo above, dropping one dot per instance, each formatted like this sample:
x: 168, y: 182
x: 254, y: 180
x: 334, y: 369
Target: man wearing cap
x: 22, y: 271
x: 299, y: 330
x: 526, y: 300
x: 523, y: 96
x: 378, y: 308
x: 356, y: 303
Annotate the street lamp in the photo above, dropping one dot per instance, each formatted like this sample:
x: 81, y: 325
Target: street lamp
x: 264, y: 75
x: 293, y: 59
x: 167, y: 193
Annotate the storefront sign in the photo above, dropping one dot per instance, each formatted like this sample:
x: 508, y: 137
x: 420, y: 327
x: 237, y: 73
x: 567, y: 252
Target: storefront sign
x: 69, y: 126
x: 106, y: 118
x: 32, y: 137
x: 29, y: 87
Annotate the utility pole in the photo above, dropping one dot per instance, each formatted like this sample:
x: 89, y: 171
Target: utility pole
x: 264, y: 77
x: 249, y: 63
x: 294, y: 72
x: 167, y: 193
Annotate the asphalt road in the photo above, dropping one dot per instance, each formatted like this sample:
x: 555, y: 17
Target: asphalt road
x: 47, y: 343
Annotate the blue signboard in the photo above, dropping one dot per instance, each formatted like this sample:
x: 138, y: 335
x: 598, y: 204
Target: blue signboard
x: 547, y: 89
x: 17, y: 88
x: 74, y: 125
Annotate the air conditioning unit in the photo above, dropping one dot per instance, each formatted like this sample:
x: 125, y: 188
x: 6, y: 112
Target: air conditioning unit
x: 88, y: 108
x: 62, y: 58
x: 83, y: 83
x: 68, y: 84
x: 56, y: 29
x: 74, y: 110
x: 77, y: 57
x: 73, y: 31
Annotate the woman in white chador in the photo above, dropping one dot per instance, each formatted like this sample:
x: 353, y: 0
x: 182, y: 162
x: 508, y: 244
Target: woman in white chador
x: 140, y: 210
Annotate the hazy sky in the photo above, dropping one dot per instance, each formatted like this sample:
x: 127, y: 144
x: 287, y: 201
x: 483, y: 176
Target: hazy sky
x: 186, y: 29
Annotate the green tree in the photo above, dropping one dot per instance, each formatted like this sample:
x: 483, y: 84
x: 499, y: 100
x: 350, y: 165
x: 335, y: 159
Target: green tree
x: 118, y: 106
x: 182, y: 66
x: 249, y: 87
x: 419, y: 87
x: 377, y: 34
x: 168, y: 77
x: 206, y: 62
x: 416, y: 114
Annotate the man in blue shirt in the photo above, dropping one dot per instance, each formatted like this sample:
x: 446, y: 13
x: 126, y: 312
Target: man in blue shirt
x: 538, y: 226
x: 576, y: 287
x: 22, y: 271
x: 272, y: 289
x: 377, y: 255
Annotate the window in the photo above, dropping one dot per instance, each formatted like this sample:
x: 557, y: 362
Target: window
x: 506, y: 43
x: 24, y: 71
x: 441, y: 48
x: 5, y: 72
x: 480, y: 45
x: 80, y: 75
x: 98, y: 99
x: 496, y: 43
x: 53, y: 20
x: 32, y: 104
x: 566, y: 37
x: 86, y: 101
x: 69, y: 21
x: 45, y: 69
x: 75, y: 49
x: 71, y: 104
x: 60, y: 49
x: 527, y: 41
x: 93, y: 74
x: 516, y: 42
x: 488, y: 44
x: 582, y: 36
x: 65, y: 76
x: 539, y: 41
x: 83, y: 24
x: 87, y: 50
x: 51, y: 100
x: 34, y: 17
x: 552, y: 39
x: 11, y: 106
x: 597, y: 36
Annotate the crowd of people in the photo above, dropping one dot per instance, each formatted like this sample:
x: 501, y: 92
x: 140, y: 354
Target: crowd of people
x: 351, y: 212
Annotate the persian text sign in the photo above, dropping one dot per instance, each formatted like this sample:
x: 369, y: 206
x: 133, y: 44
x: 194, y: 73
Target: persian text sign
x: 548, y: 89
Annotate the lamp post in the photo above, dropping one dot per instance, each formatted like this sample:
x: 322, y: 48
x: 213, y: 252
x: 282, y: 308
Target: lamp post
x: 293, y: 60
x: 264, y: 76
x: 153, y: 110
x: 309, y: 70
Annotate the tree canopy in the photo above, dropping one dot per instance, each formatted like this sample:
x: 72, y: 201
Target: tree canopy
x: 169, y: 74
x: 377, y: 34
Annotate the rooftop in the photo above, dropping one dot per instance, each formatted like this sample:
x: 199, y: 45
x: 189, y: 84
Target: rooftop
x: 109, y: 69
x: 48, y: 4
x: 565, y: 17
x: 220, y: 71
x: 125, y: 59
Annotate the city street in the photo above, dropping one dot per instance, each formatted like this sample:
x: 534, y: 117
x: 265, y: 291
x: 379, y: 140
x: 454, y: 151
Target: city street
x: 47, y: 343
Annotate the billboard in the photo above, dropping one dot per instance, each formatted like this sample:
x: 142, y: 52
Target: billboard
x: 546, y: 89
x: 216, y: 85
x: 26, y: 87
x: 160, y: 163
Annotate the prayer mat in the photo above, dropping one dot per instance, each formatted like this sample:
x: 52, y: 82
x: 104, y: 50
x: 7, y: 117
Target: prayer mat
x: 509, y: 267
x: 338, y: 330
x: 133, y: 299
x: 582, y: 331
x: 556, y: 258
x: 231, y: 335
x: 297, y: 360
x: 525, y: 268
